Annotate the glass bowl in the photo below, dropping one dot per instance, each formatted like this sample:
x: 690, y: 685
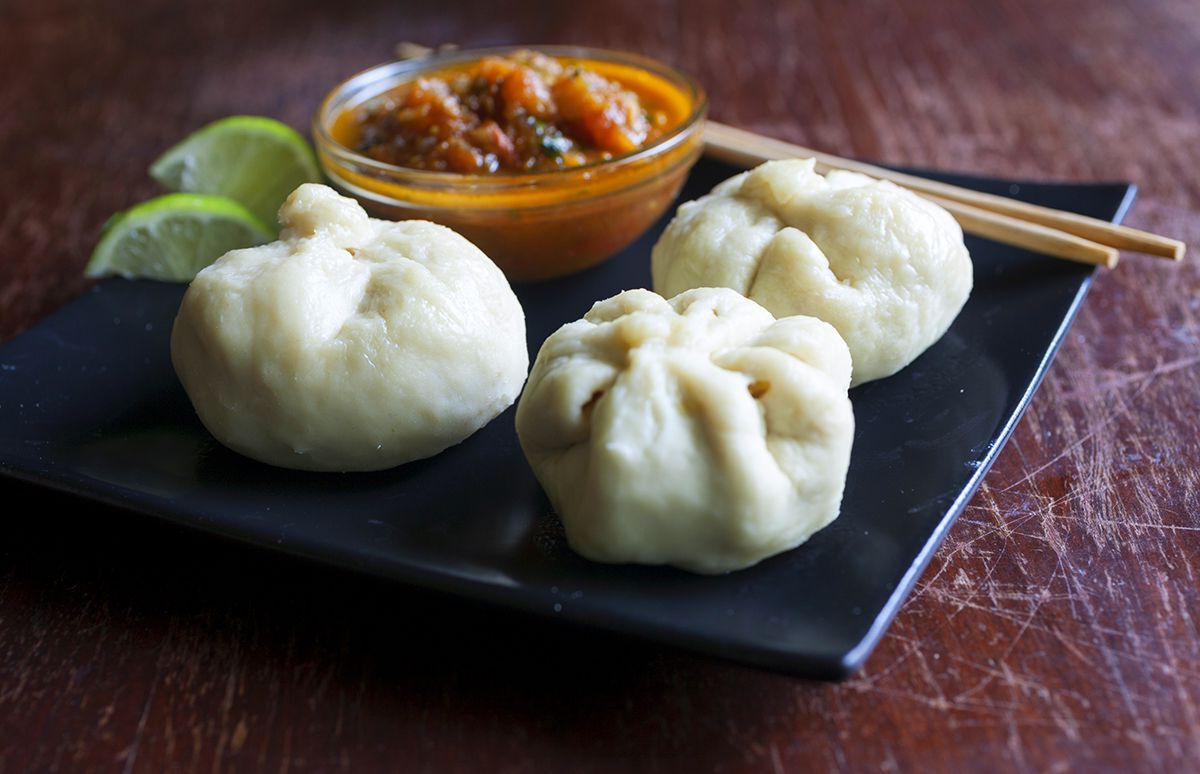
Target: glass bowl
x: 533, y: 225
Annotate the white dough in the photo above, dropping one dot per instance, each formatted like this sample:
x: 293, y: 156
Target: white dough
x: 351, y: 343
x: 885, y: 267
x: 698, y: 432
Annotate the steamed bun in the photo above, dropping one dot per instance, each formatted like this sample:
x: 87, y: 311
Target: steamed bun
x: 699, y: 432
x: 885, y: 267
x: 350, y: 343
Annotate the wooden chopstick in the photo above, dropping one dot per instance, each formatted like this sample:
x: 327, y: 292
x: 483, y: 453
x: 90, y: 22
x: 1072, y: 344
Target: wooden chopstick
x: 1049, y: 231
x: 1008, y: 230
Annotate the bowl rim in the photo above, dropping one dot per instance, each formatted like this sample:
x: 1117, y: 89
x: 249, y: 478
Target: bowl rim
x: 382, y: 77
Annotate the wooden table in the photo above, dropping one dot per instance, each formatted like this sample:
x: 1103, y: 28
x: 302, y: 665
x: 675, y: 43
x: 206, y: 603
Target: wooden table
x: 1056, y: 628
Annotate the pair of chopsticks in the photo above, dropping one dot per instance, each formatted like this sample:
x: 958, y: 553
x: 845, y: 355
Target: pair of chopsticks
x: 1040, y: 229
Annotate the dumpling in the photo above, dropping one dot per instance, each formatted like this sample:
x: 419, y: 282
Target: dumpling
x: 885, y: 267
x: 699, y: 432
x: 350, y: 343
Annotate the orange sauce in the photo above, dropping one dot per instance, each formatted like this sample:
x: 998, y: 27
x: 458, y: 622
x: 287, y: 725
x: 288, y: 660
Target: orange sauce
x: 538, y: 223
x: 526, y: 112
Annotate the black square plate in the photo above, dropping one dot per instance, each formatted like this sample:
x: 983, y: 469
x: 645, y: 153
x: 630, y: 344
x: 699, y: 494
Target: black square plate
x: 89, y: 404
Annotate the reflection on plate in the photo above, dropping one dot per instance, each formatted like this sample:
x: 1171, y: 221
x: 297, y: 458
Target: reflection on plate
x: 89, y: 404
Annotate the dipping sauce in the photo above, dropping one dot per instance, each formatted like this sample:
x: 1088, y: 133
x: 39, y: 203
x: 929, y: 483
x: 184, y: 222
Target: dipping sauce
x: 522, y: 112
x: 550, y: 161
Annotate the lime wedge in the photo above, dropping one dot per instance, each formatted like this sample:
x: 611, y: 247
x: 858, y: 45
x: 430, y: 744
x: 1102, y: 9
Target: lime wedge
x: 173, y: 237
x: 255, y: 161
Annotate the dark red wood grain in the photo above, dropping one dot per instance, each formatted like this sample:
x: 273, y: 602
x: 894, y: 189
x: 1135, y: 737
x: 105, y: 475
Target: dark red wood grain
x: 1056, y: 629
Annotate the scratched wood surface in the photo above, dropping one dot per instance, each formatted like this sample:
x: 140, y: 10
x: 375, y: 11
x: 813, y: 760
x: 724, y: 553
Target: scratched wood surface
x: 1056, y: 628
